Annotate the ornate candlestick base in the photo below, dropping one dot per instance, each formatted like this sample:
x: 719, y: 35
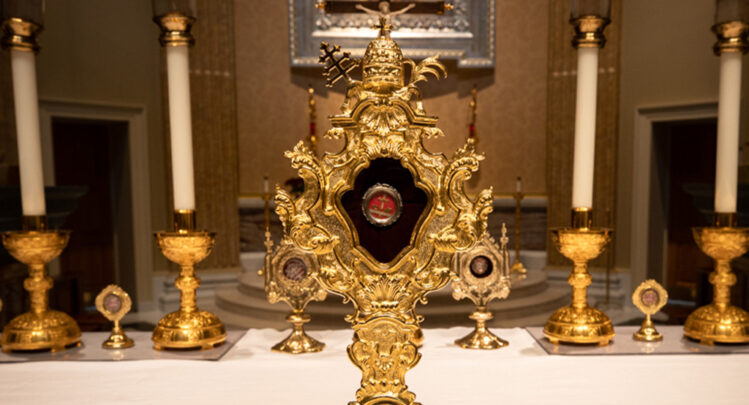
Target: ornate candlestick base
x: 189, y: 327
x: 580, y: 323
x: 481, y: 337
x: 298, y: 341
x: 720, y: 321
x: 40, y: 328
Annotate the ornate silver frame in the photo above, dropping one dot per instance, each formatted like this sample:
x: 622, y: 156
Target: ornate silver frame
x: 465, y: 34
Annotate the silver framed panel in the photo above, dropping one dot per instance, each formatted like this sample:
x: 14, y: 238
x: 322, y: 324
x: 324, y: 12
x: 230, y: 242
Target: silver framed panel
x: 465, y: 34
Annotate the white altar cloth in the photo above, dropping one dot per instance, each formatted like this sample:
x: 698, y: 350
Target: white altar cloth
x: 251, y: 374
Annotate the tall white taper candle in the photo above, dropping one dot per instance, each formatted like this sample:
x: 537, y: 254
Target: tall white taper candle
x: 585, y: 127
x: 23, y: 65
x: 729, y: 103
x: 180, y: 122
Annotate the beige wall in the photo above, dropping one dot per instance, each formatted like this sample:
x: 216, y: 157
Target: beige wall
x: 666, y: 59
x: 272, y: 98
x: 108, y: 52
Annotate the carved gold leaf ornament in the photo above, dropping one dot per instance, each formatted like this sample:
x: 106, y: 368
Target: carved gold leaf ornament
x: 383, y: 118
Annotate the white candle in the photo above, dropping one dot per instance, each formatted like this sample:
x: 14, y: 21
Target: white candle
x: 519, y: 185
x: 729, y: 103
x: 266, y: 186
x: 180, y: 123
x: 23, y: 65
x: 585, y: 128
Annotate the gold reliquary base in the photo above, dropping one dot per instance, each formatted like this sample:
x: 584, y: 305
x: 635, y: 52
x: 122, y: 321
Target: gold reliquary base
x: 298, y: 342
x: 481, y: 338
x: 118, y: 340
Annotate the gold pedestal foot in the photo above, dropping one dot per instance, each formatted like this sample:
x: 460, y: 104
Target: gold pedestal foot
x: 40, y: 328
x: 711, y: 324
x: 580, y: 323
x: 49, y: 330
x: 586, y: 325
x: 647, y: 332
x: 118, y: 340
x: 298, y: 341
x: 720, y: 322
x: 188, y: 330
x: 481, y: 337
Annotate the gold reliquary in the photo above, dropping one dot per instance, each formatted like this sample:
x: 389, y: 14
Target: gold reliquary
x: 384, y: 217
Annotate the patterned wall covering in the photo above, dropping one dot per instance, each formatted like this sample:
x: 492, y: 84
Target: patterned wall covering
x: 561, y: 122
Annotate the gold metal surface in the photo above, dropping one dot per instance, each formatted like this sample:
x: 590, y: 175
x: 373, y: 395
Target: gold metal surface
x: 188, y: 327
x: 720, y: 321
x: 40, y: 328
x: 589, y: 31
x: 649, y: 297
x: 383, y: 118
x: 725, y: 219
x: 579, y: 323
x: 481, y: 288
x: 114, y: 303
x: 732, y: 37
x: 184, y: 221
x: 582, y: 218
x: 20, y: 35
x: 518, y: 269
x: 312, y: 112
x: 297, y: 291
x: 175, y: 29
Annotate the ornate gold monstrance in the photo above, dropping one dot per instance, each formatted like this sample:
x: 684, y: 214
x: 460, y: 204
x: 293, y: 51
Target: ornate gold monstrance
x: 383, y: 125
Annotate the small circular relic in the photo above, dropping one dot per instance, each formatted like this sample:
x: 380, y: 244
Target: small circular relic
x: 295, y: 269
x: 649, y: 297
x: 481, y: 266
x: 112, y: 303
x: 382, y: 205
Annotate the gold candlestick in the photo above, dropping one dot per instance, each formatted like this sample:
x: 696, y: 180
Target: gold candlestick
x: 720, y: 321
x: 114, y: 303
x: 578, y: 322
x: 40, y: 328
x: 188, y: 327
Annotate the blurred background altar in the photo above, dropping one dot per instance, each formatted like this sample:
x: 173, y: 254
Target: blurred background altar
x: 103, y: 111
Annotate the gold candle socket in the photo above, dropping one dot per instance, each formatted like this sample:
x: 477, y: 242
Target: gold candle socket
x: 732, y: 37
x: 589, y: 31
x: 20, y: 35
x: 720, y: 321
x: 188, y: 327
x: 518, y: 269
x: 580, y: 323
x: 40, y: 328
x: 175, y: 29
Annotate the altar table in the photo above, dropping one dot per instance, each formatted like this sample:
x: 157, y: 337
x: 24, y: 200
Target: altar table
x: 250, y: 373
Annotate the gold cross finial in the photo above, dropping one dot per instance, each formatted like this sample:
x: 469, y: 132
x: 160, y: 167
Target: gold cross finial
x: 335, y: 69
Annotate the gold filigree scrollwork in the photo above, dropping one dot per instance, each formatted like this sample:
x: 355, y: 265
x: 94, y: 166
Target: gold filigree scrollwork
x: 383, y: 118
